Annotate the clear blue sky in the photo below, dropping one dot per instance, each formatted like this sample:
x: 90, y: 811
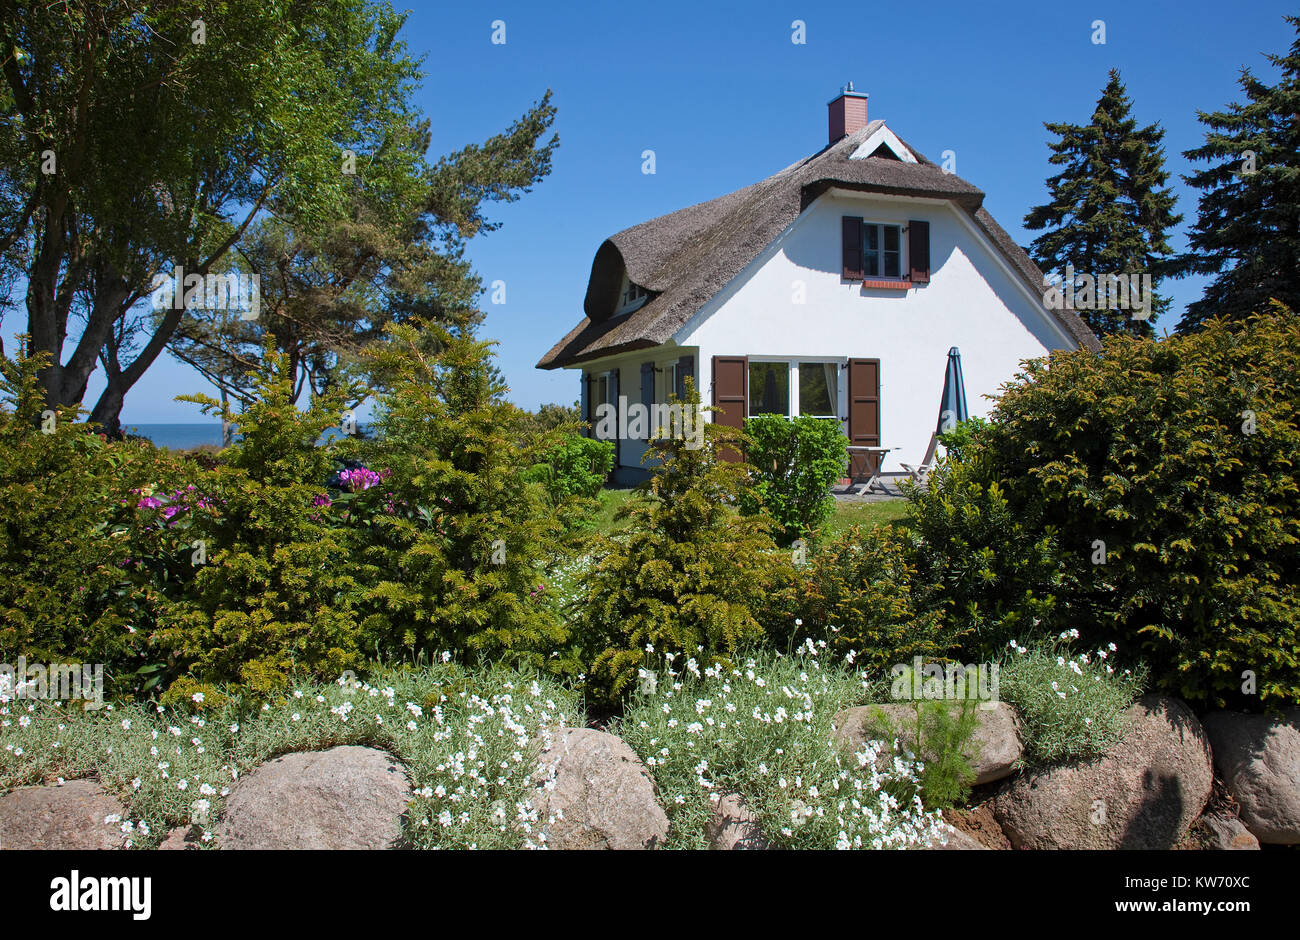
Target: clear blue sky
x: 724, y: 98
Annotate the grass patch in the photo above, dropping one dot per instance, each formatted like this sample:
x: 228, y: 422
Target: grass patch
x: 610, y: 502
x: 844, y: 515
x: 867, y: 515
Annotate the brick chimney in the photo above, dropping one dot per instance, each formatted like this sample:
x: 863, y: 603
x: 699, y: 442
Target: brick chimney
x: 847, y: 113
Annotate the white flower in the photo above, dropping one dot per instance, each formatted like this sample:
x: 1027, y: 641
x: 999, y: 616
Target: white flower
x: 198, y: 698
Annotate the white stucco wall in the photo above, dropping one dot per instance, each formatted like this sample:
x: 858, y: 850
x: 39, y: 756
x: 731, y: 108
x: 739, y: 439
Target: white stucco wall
x: 973, y: 301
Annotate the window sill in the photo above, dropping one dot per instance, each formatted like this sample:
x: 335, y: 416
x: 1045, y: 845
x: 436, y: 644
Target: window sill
x: 879, y: 284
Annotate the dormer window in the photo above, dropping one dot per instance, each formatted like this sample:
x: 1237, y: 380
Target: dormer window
x: 632, y: 297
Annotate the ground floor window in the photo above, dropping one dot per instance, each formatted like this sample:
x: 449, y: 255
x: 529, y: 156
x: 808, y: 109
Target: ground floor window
x: 819, y: 387
x: 769, y: 388
x: 814, y: 382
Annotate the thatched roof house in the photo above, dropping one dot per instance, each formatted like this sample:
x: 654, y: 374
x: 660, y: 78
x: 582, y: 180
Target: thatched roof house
x: 864, y: 252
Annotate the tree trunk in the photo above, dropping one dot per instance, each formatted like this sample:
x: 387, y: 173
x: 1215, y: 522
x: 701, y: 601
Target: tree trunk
x: 108, y: 410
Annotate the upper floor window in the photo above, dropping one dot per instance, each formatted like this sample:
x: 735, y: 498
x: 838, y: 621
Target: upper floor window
x: 882, y: 250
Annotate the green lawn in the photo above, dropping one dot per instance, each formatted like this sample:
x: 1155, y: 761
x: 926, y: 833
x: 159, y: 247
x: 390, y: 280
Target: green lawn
x: 868, y: 515
x: 844, y: 515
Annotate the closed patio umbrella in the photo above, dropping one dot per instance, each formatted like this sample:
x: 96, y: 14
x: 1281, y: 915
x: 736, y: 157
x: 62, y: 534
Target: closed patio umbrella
x: 952, y: 407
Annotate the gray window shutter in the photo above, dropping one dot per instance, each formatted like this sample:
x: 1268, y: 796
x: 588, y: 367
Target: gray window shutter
x: 647, y: 383
x: 585, y: 393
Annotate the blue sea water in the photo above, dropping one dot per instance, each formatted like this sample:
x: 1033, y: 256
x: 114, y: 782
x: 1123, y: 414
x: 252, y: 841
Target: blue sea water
x: 177, y: 436
x: 186, y: 436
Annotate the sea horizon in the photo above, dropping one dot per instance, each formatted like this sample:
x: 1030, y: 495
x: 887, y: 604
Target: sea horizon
x: 186, y: 436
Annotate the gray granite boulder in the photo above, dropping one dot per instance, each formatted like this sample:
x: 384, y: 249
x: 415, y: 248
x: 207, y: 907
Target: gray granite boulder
x: 343, y: 798
x: 1258, y: 758
x: 1144, y: 793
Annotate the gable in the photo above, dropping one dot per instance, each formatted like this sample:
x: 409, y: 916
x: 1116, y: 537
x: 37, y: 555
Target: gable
x: 794, y: 298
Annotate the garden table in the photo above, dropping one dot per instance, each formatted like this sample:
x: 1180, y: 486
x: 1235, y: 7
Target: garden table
x: 870, y: 459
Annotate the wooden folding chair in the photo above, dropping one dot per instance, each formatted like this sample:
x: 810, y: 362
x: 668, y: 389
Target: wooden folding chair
x: 920, y: 471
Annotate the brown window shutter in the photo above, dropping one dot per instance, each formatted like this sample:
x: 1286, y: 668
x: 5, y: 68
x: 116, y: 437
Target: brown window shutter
x: 852, y: 241
x: 918, y: 251
x: 864, y: 407
x: 731, y: 394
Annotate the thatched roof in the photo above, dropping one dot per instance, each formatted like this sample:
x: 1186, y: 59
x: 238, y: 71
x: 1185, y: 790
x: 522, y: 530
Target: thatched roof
x: 684, y: 258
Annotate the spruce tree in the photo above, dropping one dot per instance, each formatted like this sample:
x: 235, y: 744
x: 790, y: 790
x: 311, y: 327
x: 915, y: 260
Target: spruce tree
x: 1110, y: 211
x: 1247, y: 231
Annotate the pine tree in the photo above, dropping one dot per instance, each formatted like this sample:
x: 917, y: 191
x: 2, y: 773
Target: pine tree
x: 1110, y: 212
x: 1247, y: 231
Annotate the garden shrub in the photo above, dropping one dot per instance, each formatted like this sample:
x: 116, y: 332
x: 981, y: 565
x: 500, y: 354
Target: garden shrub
x: 960, y: 438
x: 1146, y: 497
x: 993, y: 564
x: 795, y: 463
x: 463, y: 543
x: 77, y: 564
x: 575, y: 468
x: 860, y: 592
x: 1070, y: 706
x: 275, y: 596
x: 687, y: 574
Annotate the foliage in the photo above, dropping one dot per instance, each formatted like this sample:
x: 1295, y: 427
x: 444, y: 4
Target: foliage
x: 941, y: 733
x: 993, y: 564
x: 860, y: 593
x: 961, y: 437
x: 276, y: 597
x: 463, y: 544
x: 150, y: 174
x: 762, y: 730
x: 428, y: 718
x: 81, y: 570
x: 576, y: 467
x: 1071, y: 707
x: 395, y: 253
x: 795, y: 463
x: 1146, y: 497
x: 1245, y: 233
x: 1110, y: 210
x: 686, y: 574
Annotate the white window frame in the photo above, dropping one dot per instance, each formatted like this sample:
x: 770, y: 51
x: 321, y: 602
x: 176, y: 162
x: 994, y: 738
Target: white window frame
x: 880, y: 227
x: 793, y: 362
x: 639, y: 296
